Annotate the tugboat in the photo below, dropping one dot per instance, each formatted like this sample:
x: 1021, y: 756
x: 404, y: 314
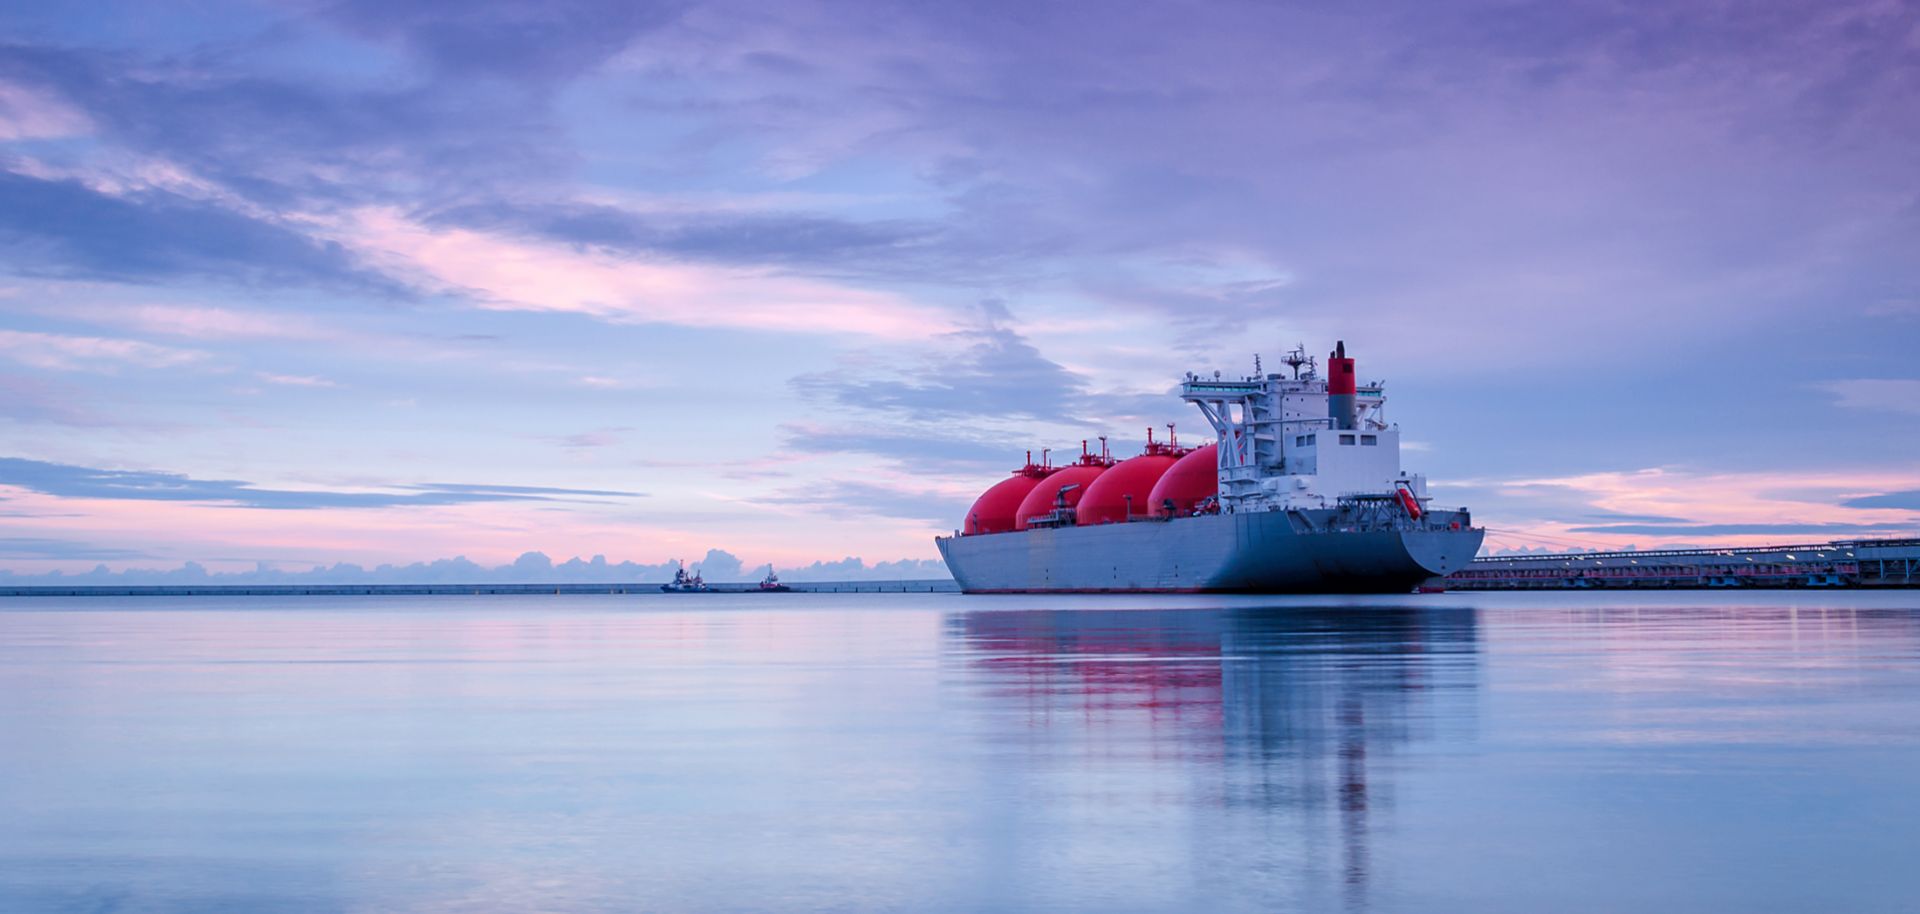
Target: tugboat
x: 685, y: 583
x: 772, y: 583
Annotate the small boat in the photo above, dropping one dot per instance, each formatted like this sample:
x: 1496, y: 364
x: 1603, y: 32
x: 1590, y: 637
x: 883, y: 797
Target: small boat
x: 772, y: 583
x: 685, y: 583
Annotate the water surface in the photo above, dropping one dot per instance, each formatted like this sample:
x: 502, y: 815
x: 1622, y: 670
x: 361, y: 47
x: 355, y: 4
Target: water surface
x: 816, y: 752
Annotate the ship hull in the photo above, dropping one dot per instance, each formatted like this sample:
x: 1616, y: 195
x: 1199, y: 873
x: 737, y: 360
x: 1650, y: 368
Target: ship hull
x: 1266, y: 552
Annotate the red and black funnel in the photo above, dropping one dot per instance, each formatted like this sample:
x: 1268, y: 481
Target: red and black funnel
x: 1341, y: 405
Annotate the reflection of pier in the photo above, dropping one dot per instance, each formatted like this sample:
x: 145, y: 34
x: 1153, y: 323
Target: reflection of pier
x: 1284, y: 714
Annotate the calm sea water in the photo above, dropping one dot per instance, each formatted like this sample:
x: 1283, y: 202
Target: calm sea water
x: 1503, y: 752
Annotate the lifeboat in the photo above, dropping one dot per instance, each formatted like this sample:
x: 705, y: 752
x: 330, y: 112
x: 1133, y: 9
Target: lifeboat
x: 1407, y: 501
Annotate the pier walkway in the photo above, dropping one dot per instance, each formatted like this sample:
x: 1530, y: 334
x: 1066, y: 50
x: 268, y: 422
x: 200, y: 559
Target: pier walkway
x: 1850, y: 563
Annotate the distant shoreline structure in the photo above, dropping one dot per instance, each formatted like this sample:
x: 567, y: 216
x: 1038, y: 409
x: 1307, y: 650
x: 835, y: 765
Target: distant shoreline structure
x: 1843, y: 564
x: 398, y: 590
x: 531, y: 568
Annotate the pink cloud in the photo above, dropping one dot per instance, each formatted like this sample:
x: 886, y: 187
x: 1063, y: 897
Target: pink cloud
x: 202, y: 322
x: 1704, y: 499
x: 230, y: 538
x: 29, y: 115
x: 516, y: 275
x: 294, y: 380
x: 93, y: 353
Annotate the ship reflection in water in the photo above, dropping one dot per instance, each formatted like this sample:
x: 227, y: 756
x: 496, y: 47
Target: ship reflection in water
x: 923, y: 752
x: 1276, y: 717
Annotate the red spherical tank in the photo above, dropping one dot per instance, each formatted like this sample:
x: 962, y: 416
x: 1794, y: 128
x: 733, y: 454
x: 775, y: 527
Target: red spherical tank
x: 1122, y: 490
x: 1194, y: 477
x: 1040, y: 501
x: 994, y: 511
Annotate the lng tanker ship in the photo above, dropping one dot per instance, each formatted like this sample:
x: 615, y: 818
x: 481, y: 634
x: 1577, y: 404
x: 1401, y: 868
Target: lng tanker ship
x: 1300, y: 491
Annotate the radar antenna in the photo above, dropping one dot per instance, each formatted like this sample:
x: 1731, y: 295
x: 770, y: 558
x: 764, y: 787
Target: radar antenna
x: 1297, y: 359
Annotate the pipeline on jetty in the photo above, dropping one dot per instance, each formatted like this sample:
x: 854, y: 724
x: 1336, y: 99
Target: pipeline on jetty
x: 1847, y: 563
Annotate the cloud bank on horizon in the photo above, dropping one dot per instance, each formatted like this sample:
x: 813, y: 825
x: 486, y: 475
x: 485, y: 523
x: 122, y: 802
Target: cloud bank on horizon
x: 301, y: 283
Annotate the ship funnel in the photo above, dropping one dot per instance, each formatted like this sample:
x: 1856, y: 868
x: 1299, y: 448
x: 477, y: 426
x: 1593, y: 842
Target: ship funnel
x: 1341, y: 405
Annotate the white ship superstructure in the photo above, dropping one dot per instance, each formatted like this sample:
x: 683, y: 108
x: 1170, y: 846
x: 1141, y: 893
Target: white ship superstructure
x: 1300, y: 441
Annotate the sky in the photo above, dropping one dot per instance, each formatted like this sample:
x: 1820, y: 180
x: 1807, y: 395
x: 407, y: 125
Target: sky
x: 286, y: 285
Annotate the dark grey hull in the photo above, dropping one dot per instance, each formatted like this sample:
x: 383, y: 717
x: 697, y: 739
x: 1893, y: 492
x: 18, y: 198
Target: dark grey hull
x: 1269, y: 552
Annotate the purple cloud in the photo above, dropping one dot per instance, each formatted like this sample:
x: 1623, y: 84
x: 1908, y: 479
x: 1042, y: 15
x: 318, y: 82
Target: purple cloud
x: 69, y: 481
x: 63, y: 228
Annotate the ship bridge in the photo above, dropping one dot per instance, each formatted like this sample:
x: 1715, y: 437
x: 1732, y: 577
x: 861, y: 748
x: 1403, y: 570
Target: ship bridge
x: 1300, y: 440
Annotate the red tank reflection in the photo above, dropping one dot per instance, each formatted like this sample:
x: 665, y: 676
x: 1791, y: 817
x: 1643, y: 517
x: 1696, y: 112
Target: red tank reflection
x: 1102, y: 665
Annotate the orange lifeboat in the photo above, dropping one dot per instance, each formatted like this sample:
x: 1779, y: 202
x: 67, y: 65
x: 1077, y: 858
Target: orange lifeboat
x: 1407, y: 501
